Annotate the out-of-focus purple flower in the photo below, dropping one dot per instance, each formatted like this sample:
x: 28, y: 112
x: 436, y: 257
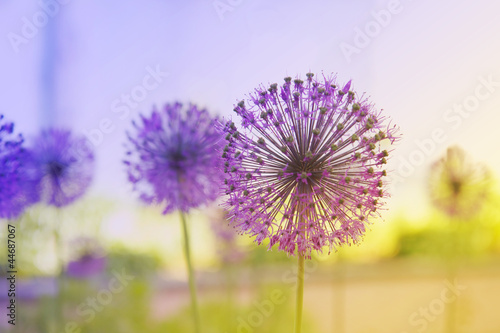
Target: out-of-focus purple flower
x: 307, y: 168
x: 226, y: 237
x: 65, y: 164
x: 17, y: 182
x: 29, y: 289
x: 86, y: 266
x: 89, y: 258
x: 458, y: 186
x: 172, y: 160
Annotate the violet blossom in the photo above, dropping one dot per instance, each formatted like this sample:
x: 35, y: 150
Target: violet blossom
x: 65, y: 163
x: 172, y: 159
x: 17, y: 181
x: 306, y: 168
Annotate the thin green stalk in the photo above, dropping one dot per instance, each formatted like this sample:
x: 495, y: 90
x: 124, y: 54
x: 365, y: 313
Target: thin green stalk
x: 455, y: 253
x: 300, y: 294
x: 192, y: 286
x: 61, y: 276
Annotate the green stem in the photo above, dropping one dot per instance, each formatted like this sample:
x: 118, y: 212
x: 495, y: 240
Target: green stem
x: 455, y: 253
x: 192, y: 286
x: 300, y: 294
x: 61, y: 275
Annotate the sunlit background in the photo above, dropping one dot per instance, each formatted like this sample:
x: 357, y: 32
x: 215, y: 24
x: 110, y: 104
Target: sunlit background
x: 94, y: 66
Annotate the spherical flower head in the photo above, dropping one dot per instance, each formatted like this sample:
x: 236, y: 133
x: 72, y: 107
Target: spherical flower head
x: 65, y: 164
x: 172, y: 160
x: 306, y: 169
x: 458, y: 186
x: 17, y: 183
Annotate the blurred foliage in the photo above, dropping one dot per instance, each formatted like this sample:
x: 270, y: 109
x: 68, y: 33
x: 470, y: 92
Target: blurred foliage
x: 468, y: 241
x: 122, y: 314
x: 142, y: 264
x: 261, y: 316
x: 444, y: 236
x: 127, y: 310
x: 35, y: 237
x: 261, y: 255
x: 433, y: 236
x: 130, y: 311
x: 35, y: 233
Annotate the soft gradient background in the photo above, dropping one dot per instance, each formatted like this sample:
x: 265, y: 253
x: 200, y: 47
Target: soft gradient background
x: 417, y: 62
x: 427, y: 58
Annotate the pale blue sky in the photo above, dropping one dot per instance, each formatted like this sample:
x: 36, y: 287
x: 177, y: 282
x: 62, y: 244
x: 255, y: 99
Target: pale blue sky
x: 417, y: 63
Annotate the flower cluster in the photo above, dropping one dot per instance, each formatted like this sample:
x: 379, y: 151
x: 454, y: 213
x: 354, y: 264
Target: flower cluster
x: 458, y: 185
x: 17, y: 183
x: 65, y: 164
x: 173, y: 159
x: 306, y: 167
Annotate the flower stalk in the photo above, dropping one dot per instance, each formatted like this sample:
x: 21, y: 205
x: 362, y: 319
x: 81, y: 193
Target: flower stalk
x: 305, y: 168
x: 61, y: 281
x: 192, y: 284
x: 300, y: 294
x: 172, y: 161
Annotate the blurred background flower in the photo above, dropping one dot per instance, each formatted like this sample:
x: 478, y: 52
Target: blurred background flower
x: 65, y: 164
x: 458, y: 185
x: 172, y: 159
x: 173, y: 162
x: 17, y: 181
x: 88, y: 258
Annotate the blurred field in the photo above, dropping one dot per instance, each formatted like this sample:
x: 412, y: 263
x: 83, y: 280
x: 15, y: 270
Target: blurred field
x: 344, y: 297
x: 126, y: 273
x: 363, y: 298
x: 396, y: 281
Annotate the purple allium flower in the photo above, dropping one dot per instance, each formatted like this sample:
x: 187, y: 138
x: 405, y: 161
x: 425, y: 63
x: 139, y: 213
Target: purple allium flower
x: 173, y: 159
x: 458, y: 186
x: 65, y: 163
x: 88, y: 258
x: 307, y: 169
x: 17, y: 183
x: 86, y: 266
